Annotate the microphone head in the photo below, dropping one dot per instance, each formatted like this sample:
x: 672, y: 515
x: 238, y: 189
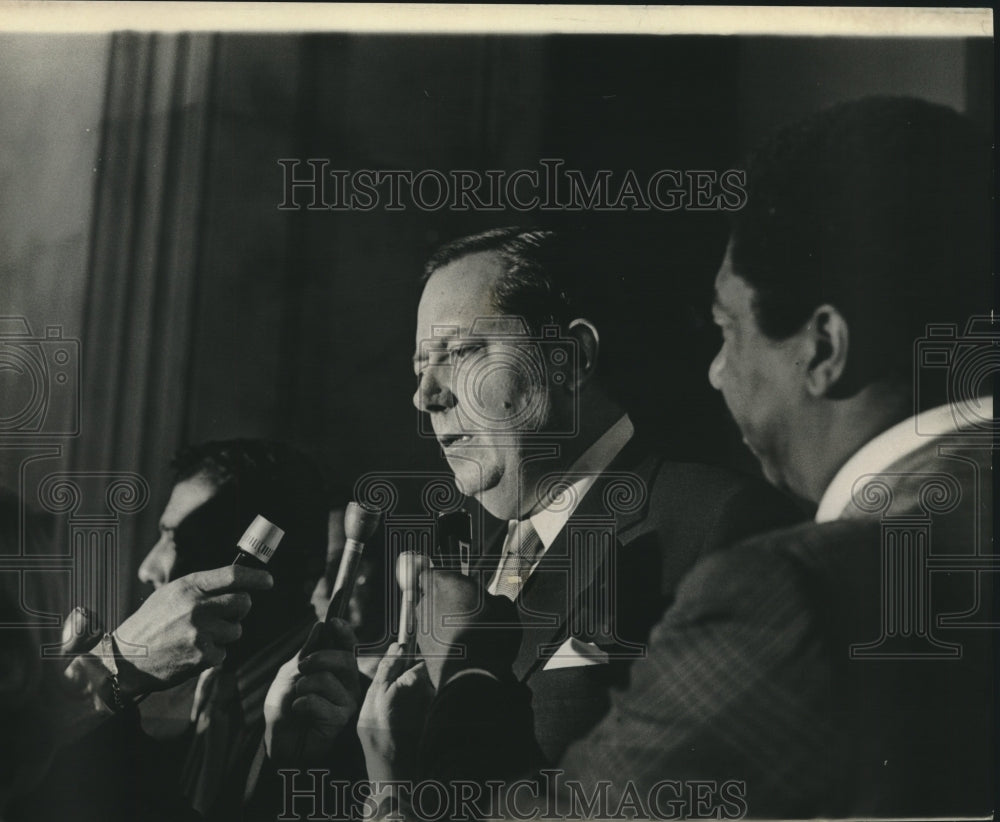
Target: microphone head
x: 409, y: 566
x: 360, y: 521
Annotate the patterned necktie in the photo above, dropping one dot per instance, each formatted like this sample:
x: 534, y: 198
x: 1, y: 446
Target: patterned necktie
x: 519, y: 554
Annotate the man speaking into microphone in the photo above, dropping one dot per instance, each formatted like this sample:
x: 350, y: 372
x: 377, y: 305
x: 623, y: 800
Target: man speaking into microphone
x: 513, y: 365
x: 843, y: 667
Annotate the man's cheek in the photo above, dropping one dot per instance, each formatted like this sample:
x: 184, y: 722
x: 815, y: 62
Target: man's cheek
x: 500, y: 402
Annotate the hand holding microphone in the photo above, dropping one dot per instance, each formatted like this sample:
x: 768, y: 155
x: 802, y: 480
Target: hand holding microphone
x: 316, y: 693
x: 451, y: 553
x: 313, y: 697
x: 360, y: 523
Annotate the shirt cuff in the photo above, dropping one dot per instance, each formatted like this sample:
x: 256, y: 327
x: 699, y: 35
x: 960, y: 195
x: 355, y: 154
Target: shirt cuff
x: 93, y: 677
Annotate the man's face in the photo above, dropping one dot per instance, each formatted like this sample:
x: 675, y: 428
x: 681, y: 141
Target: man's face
x: 480, y: 390
x: 162, y: 564
x: 758, y: 378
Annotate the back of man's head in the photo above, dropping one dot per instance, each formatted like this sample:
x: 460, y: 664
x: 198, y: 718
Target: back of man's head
x: 879, y: 207
x: 256, y: 477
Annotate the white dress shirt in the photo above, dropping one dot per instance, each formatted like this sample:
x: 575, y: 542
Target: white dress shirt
x: 552, y: 518
x: 886, y: 449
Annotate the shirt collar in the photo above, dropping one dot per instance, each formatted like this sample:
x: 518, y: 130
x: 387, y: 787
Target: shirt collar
x: 887, y: 448
x: 549, y: 521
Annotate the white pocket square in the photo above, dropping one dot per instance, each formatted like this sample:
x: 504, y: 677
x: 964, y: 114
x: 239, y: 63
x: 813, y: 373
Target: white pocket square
x: 574, y: 653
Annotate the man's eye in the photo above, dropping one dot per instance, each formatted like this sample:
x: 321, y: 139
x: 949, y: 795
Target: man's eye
x: 456, y: 355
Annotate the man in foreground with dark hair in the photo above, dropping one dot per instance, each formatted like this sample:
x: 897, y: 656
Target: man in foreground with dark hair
x: 843, y: 667
x: 852, y: 672
x: 201, y: 735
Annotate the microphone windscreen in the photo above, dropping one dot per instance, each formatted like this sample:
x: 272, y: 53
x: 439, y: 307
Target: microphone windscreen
x: 360, y: 521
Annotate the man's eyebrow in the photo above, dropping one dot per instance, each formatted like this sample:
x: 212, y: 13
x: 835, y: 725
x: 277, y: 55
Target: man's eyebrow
x: 445, y: 344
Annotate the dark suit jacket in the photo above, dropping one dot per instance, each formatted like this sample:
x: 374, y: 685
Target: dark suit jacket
x: 612, y: 571
x: 831, y: 669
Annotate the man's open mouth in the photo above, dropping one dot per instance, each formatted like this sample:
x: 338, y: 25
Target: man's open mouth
x: 448, y: 440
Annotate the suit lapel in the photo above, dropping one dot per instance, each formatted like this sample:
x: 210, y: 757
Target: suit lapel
x: 613, y: 507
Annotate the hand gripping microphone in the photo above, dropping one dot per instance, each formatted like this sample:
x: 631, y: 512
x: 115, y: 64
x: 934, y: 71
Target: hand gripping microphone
x: 360, y: 523
x: 451, y: 553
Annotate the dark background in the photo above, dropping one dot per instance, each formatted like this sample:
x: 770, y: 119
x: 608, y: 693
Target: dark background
x: 138, y: 214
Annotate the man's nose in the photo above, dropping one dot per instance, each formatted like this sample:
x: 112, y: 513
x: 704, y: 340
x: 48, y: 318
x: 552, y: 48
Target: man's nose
x: 158, y: 565
x: 433, y: 391
x: 715, y: 371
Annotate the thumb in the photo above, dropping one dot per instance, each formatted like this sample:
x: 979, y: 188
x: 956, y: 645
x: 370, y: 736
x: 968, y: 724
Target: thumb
x: 417, y: 675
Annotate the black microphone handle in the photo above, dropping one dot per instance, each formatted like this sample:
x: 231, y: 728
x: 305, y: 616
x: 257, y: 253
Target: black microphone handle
x: 347, y: 576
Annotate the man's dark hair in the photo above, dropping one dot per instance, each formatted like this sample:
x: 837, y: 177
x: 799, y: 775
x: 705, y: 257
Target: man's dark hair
x: 551, y: 278
x: 261, y: 477
x: 879, y: 207
x: 533, y: 285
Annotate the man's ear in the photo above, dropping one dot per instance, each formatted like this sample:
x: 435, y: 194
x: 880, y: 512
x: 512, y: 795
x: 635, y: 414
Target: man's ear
x: 829, y: 338
x: 588, y: 343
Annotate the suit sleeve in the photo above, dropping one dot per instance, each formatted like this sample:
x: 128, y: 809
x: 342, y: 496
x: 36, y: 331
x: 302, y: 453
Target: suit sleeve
x: 732, y: 690
x: 479, y: 728
x: 748, y: 508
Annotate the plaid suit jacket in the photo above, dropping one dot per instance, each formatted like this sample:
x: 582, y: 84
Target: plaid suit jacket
x: 819, y: 670
x: 838, y: 669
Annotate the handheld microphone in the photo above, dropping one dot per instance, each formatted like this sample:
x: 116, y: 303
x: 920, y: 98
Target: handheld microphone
x: 258, y: 543
x: 409, y: 566
x: 454, y: 540
x: 360, y: 523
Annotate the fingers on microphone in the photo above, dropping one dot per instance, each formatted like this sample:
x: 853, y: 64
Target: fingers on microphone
x: 212, y: 655
x: 338, y: 634
x: 417, y: 675
x: 419, y: 672
x: 326, y: 685
x: 223, y: 631
x: 231, y: 578
x: 234, y: 605
x: 313, y: 641
x: 339, y: 663
x: 316, y: 709
x: 391, y: 665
